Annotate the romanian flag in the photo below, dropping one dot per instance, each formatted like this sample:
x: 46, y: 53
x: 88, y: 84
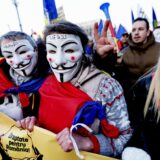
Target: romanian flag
x: 105, y: 8
x: 154, y: 19
x: 50, y: 11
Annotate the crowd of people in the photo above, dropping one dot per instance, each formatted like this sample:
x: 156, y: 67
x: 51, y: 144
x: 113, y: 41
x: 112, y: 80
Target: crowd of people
x: 114, y: 94
x: 135, y: 72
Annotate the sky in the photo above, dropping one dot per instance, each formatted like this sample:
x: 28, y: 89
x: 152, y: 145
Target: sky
x: 76, y: 11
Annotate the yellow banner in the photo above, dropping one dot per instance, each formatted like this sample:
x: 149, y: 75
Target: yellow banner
x: 41, y: 144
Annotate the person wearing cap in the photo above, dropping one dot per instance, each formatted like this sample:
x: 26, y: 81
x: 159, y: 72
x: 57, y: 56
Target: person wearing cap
x: 124, y: 40
x: 123, y: 43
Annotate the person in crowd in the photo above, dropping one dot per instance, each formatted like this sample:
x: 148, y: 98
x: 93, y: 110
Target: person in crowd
x: 23, y: 68
x: 104, y: 52
x: 123, y: 43
x: 139, y: 57
x: 36, y: 36
x: 146, y: 114
x: 76, y: 88
x: 89, y: 48
x: 124, y: 40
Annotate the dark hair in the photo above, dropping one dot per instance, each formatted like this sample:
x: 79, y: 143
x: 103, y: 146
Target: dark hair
x: 125, y: 34
x: 16, y: 35
x: 42, y: 65
x: 142, y: 19
x: 66, y: 27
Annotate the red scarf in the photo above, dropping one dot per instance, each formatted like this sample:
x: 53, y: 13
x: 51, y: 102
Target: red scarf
x: 59, y: 103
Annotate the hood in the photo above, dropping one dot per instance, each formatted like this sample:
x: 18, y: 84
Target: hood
x: 150, y: 41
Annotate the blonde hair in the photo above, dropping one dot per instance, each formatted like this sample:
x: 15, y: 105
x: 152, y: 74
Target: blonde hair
x: 154, y: 93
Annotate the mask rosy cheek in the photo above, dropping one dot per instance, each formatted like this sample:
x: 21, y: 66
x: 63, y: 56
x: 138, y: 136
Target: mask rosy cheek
x: 50, y: 60
x: 11, y: 62
x: 72, y: 58
x: 29, y: 56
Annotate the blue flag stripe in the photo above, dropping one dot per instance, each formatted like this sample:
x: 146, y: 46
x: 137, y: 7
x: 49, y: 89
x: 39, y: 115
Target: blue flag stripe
x: 154, y: 19
x: 50, y: 10
x: 120, y: 31
x: 132, y: 15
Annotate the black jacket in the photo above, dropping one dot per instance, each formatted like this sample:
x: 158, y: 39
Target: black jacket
x: 146, y: 134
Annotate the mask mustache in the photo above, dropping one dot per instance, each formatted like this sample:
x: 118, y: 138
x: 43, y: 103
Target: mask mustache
x: 62, y: 67
x: 21, y: 65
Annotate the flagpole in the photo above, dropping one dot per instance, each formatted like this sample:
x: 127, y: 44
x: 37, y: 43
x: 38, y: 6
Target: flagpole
x: 16, y: 6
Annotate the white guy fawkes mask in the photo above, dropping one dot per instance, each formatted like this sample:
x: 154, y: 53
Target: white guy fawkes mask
x: 64, y: 54
x: 20, y: 55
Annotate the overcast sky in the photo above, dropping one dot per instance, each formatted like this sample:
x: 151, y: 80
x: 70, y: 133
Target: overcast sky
x: 31, y: 12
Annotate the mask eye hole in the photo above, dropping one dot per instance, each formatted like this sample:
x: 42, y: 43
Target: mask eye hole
x: 51, y: 51
x: 9, y: 57
x: 69, y: 51
x: 22, y: 52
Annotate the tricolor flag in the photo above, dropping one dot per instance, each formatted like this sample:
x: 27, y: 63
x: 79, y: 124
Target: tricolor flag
x: 154, y: 19
x: 50, y: 11
x: 105, y: 8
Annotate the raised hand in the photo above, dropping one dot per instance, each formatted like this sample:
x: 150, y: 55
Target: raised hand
x: 103, y: 44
